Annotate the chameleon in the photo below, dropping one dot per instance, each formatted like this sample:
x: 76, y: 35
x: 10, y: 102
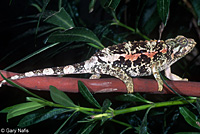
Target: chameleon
x: 126, y: 60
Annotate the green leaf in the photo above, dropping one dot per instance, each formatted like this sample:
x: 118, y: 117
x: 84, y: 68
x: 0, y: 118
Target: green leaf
x: 60, y: 97
x: 132, y: 97
x: 30, y: 55
x: 163, y: 9
x: 189, y: 117
x: 76, y: 34
x: 7, y: 109
x: 151, y: 23
x: 44, y: 102
x: 198, y: 105
x: 143, y: 127
x: 87, y: 95
x: 37, y: 7
x: 91, y: 5
x: 196, y: 7
x: 23, y: 108
x: 187, y: 133
x: 110, y: 4
x: 87, y: 128
x: 58, y: 130
x: 106, y: 104
x: 41, y: 15
x: 61, y: 19
x: 37, y: 117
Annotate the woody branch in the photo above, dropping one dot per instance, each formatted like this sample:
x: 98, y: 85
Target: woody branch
x: 105, y: 85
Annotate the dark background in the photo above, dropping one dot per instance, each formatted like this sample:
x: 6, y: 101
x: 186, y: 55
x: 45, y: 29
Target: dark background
x: 18, y: 23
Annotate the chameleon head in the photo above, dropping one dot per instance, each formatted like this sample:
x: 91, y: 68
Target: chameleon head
x: 181, y: 46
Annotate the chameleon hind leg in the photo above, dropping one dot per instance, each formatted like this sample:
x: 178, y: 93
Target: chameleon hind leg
x: 123, y: 76
x: 157, y: 77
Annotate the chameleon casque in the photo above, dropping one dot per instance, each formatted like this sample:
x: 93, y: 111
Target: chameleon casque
x: 126, y: 60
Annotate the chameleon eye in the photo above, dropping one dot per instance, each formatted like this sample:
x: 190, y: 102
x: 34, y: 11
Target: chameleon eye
x: 182, y: 41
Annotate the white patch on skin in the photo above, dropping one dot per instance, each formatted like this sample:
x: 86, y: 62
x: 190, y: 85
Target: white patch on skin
x: 90, y: 63
x: 14, y: 77
x: 153, y: 43
x: 105, y: 50
x: 111, y: 58
x: 176, y: 49
x: 69, y: 69
x: 2, y: 82
x: 48, y: 71
x: 128, y: 47
x: 58, y: 73
x: 29, y: 74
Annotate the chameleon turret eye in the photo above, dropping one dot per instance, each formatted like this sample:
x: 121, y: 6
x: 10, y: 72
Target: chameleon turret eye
x: 182, y: 41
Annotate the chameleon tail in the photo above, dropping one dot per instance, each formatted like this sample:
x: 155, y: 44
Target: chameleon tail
x: 77, y: 68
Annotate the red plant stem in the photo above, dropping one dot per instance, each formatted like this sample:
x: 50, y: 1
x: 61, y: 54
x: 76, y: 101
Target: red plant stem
x: 105, y: 85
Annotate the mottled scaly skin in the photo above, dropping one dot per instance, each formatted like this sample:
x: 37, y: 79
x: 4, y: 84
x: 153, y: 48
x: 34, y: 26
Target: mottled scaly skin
x: 126, y: 60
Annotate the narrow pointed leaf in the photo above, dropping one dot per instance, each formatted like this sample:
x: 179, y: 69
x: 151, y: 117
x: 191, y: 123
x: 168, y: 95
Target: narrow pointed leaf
x: 76, y: 34
x: 61, y: 19
x: 196, y: 7
x: 87, y: 95
x: 189, y: 117
x: 198, y: 105
x: 132, y: 97
x: 60, y: 97
x: 23, y: 108
x: 163, y: 9
x: 7, y: 109
x: 110, y: 4
x: 143, y: 127
x: 106, y: 104
x: 58, y: 130
x: 91, y: 5
x: 87, y: 128
x: 187, y: 133
x: 35, y: 118
x: 31, y: 55
x: 44, y: 102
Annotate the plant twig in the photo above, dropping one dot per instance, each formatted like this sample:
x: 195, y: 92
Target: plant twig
x: 105, y: 85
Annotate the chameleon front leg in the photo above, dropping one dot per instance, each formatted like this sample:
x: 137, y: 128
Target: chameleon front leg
x: 118, y: 73
x: 172, y: 76
x: 157, y: 77
x: 95, y: 76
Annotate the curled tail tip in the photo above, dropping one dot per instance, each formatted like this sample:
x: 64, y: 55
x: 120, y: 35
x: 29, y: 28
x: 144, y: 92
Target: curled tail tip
x: 2, y: 82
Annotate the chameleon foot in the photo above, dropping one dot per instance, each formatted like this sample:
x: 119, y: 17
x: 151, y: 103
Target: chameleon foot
x: 123, y: 76
x: 129, y: 85
x: 95, y: 76
x: 157, y: 77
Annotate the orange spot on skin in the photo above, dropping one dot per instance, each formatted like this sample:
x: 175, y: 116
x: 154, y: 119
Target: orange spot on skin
x: 163, y: 51
x: 135, y: 56
x: 172, y: 56
x: 151, y: 54
x: 132, y: 57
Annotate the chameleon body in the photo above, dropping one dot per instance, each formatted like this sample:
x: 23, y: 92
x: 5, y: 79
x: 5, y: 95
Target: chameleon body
x: 126, y: 60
